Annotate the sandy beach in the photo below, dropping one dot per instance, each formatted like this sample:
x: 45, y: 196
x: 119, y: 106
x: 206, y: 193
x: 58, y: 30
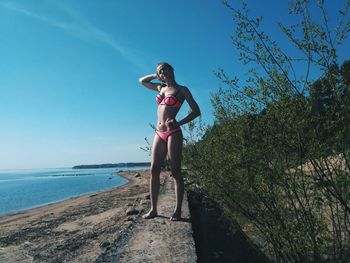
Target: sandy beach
x: 75, y: 230
x: 100, y: 227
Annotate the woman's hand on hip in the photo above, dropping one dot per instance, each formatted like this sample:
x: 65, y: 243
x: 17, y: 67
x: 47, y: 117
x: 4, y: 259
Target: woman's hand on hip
x: 171, y: 124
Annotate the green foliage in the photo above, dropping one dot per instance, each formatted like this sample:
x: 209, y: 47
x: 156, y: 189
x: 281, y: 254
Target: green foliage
x: 277, y: 157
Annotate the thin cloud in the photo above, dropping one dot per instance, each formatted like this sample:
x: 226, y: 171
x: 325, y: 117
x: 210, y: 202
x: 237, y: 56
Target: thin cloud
x: 81, y: 28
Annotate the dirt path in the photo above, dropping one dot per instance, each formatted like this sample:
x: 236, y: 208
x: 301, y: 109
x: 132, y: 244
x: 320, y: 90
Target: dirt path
x: 158, y: 239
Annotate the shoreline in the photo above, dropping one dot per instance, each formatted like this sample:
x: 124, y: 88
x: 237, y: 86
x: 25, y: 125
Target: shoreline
x: 77, y: 229
x: 118, y: 173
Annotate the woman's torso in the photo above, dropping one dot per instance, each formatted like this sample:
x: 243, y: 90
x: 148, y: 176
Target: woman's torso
x: 165, y: 112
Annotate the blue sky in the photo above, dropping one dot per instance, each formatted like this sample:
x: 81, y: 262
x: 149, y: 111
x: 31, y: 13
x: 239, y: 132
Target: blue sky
x: 69, y: 73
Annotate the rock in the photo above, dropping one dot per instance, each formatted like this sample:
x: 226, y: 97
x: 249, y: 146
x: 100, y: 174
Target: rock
x: 147, y: 197
x: 132, y: 211
x: 137, y: 175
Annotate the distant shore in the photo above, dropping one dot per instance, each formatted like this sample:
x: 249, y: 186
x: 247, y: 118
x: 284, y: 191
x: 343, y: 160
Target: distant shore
x: 112, y: 165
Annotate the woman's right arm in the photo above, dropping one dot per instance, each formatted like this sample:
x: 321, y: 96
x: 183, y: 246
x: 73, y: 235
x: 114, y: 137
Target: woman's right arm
x: 146, y: 81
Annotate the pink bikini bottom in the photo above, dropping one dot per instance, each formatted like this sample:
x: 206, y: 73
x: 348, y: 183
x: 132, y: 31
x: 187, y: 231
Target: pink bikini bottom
x: 165, y: 134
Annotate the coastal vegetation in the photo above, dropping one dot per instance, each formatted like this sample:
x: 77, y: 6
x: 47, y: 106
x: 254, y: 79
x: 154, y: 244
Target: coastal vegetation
x: 277, y: 158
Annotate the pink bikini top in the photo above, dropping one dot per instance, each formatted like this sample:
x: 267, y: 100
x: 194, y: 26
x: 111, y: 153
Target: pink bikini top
x: 169, y: 100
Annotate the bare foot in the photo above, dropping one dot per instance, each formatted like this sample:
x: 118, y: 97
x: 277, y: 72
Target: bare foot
x: 151, y: 214
x: 176, y: 216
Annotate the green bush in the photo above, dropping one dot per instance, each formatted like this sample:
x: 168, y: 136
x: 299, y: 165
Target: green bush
x: 276, y: 158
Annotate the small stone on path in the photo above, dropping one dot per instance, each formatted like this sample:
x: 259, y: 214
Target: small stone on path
x: 132, y: 211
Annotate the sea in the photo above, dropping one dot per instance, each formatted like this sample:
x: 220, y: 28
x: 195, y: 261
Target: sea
x: 25, y: 189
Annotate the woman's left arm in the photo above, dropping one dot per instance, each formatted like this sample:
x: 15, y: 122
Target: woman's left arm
x: 195, y: 111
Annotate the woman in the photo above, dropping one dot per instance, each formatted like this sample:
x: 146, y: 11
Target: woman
x: 168, y: 137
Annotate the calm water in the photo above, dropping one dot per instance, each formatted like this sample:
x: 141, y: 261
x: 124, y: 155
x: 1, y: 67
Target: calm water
x: 23, y: 189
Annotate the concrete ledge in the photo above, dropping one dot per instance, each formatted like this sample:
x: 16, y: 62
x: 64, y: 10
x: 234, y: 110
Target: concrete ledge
x: 158, y: 239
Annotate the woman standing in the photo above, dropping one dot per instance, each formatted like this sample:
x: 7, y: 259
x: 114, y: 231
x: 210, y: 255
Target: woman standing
x: 168, y: 137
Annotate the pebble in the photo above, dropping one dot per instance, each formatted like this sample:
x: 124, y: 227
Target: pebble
x: 132, y: 211
x: 137, y: 175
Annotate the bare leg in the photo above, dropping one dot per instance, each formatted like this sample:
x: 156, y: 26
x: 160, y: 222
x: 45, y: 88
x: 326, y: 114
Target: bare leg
x: 159, y: 151
x: 175, y: 155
